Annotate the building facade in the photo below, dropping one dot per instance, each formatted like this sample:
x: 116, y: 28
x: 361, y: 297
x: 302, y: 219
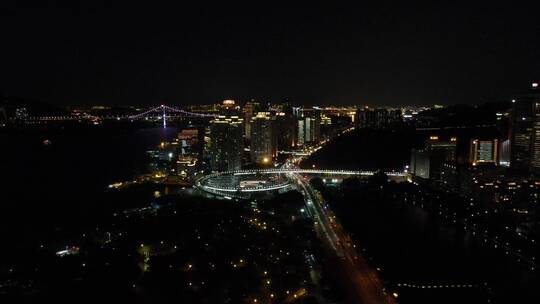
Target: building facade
x: 263, y: 138
x: 249, y: 110
x: 226, y: 143
x: 369, y: 118
x: 427, y: 162
x: 484, y: 151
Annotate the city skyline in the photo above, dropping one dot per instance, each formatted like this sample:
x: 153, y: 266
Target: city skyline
x: 269, y: 154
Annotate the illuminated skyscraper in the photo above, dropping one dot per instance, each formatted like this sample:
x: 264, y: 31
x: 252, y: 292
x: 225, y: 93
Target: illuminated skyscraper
x: 504, y: 155
x: 249, y: 109
x: 286, y: 127
x: 521, y: 133
x: 427, y: 162
x: 301, y: 133
x: 309, y: 126
x: 226, y: 143
x: 535, y: 145
x: 263, y: 138
x: 483, y: 151
x: 525, y: 130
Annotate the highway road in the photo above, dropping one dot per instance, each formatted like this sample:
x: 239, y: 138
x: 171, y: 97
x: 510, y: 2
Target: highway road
x: 367, y: 286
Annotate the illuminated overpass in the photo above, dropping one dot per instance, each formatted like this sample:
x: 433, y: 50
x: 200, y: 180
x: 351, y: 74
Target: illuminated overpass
x: 226, y: 183
x: 310, y: 171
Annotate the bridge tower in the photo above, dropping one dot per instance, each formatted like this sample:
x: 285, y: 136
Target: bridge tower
x: 164, y: 117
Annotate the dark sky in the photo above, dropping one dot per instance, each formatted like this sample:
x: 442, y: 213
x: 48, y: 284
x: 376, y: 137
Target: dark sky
x: 314, y: 55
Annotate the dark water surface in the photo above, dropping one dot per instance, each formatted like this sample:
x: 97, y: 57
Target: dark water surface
x: 50, y: 187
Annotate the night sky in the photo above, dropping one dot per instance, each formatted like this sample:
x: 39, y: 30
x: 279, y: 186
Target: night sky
x: 311, y: 55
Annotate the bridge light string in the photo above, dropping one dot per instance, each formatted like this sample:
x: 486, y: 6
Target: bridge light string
x: 165, y: 108
x: 203, y: 182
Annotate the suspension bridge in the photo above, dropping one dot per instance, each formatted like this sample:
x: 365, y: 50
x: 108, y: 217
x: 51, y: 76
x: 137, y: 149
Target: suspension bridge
x: 161, y: 113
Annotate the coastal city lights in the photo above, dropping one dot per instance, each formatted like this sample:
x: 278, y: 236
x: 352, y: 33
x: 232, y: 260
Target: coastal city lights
x: 265, y: 154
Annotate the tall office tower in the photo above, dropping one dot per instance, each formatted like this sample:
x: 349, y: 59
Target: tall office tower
x: 307, y: 131
x: 420, y: 163
x: 535, y: 144
x: 311, y: 125
x: 263, y: 138
x: 447, y: 149
x: 301, y: 137
x: 504, y: 155
x: 286, y: 131
x: 524, y: 125
x: 484, y: 151
x: 316, y: 116
x: 249, y: 109
x: 226, y: 143
x: 286, y: 125
x: 427, y: 162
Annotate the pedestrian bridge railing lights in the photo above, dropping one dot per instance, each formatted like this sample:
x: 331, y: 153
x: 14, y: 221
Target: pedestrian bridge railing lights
x: 202, y: 182
x: 308, y: 171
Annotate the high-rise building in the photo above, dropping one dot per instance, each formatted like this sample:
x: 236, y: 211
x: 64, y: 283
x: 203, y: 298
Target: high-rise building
x: 377, y: 118
x: 190, y: 141
x: 521, y: 132
x: 226, y: 143
x: 446, y: 148
x: 309, y: 126
x: 420, y: 163
x: 525, y: 130
x: 191, y: 147
x: 286, y: 126
x: 263, y: 138
x: 484, y: 151
x: 286, y: 131
x: 535, y: 144
x: 427, y: 162
x: 249, y: 109
x: 504, y: 155
x: 301, y: 141
x: 308, y: 131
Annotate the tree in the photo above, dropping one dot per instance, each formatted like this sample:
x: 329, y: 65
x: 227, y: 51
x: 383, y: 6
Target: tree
x: 379, y: 179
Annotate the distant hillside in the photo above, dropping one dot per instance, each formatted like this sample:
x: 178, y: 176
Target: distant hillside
x: 34, y: 108
x: 464, y: 115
